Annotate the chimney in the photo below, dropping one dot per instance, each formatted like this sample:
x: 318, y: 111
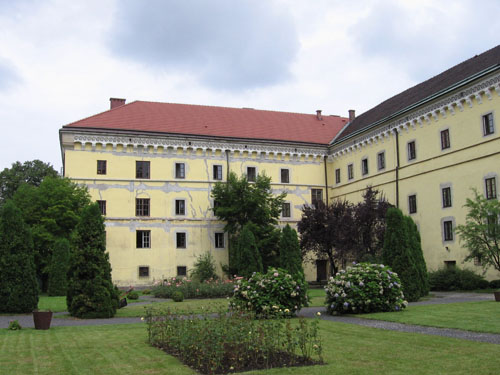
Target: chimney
x: 318, y: 115
x: 115, y: 102
x: 352, y: 115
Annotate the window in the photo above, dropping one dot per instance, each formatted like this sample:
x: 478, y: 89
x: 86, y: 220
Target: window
x: 102, y: 207
x: 285, y: 210
x: 381, y: 161
x: 445, y: 139
x: 217, y: 172
x: 450, y: 263
x: 337, y: 176
x: 181, y: 240
x: 364, y: 167
x: 181, y: 271
x: 477, y: 261
x: 142, y: 207
x: 142, y: 169
x: 180, y: 170
x: 219, y: 240
x: 143, y: 271
x: 101, y: 166
x: 350, y: 171
x: 446, y: 197
x: 448, y: 230
x: 216, y: 203
x: 316, y: 196
x: 251, y: 174
x: 492, y: 221
x: 412, y: 151
x: 285, y: 176
x: 180, y: 207
x: 488, y: 125
x: 491, y: 188
x: 143, y: 239
x: 412, y: 204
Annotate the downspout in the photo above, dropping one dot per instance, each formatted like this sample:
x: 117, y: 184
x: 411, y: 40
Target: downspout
x: 326, y: 180
x: 396, y: 134
x: 228, y: 235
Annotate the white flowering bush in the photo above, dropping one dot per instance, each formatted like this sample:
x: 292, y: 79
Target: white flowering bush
x: 275, y: 293
x: 364, y: 288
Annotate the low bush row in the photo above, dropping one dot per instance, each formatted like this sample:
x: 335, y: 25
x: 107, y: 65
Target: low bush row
x: 234, y: 342
x: 193, y: 289
x: 454, y: 278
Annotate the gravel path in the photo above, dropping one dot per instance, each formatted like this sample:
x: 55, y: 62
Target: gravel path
x: 26, y: 320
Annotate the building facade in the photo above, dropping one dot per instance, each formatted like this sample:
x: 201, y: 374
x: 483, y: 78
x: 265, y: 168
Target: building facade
x: 151, y: 166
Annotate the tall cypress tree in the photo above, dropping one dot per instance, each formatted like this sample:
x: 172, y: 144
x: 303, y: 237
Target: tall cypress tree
x: 18, y: 283
x: 397, y: 254
x: 290, y: 254
x: 418, y: 256
x: 248, y: 257
x: 91, y: 293
x: 58, y: 270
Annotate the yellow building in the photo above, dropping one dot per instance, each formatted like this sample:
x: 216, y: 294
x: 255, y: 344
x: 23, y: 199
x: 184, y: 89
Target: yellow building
x: 151, y: 166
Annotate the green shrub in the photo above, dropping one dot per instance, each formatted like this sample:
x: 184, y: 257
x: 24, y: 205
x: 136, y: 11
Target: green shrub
x: 193, y: 289
x: 58, y: 270
x: 178, y: 296
x: 133, y: 295
x: 364, y: 288
x: 91, y: 293
x: 248, y: 257
x: 204, y: 268
x: 14, y: 325
x: 454, y: 278
x: 495, y: 284
x: 290, y: 254
x: 18, y: 283
x: 236, y: 342
x: 146, y: 292
x: 397, y: 254
x: 274, y: 293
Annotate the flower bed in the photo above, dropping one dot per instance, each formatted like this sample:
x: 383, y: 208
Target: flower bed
x: 275, y: 293
x: 234, y: 342
x: 193, y: 289
x: 364, y: 288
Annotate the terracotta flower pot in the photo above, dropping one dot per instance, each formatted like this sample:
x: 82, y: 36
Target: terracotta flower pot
x: 497, y: 296
x: 42, y: 319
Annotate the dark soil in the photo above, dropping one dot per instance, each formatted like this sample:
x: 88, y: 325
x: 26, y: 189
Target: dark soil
x: 251, y: 361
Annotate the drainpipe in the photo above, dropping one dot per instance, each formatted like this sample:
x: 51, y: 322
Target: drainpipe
x: 326, y: 180
x: 396, y: 134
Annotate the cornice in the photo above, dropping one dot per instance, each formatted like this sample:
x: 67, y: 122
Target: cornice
x: 424, y: 115
x: 157, y: 144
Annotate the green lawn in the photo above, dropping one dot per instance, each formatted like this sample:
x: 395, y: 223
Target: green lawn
x: 348, y: 349
x: 196, y: 306
x: 317, y: 297
x: 471, y: 316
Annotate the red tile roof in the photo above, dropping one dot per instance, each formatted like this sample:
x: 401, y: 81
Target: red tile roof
x: 215, y: 121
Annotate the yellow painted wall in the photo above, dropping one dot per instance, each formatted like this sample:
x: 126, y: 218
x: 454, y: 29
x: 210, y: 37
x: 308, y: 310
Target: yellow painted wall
x: 119, y: 188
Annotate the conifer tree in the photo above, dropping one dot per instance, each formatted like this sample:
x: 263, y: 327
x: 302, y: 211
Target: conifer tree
x: 58, y: 270
x: 248, y: 259
x: 397, y: 254
x: 18, y: 283
x: 418, y: 256
x: 91, y: 293
x: 290, y: 253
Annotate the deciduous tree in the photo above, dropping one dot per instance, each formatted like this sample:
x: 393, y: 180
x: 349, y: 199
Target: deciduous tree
x: 481, y: 232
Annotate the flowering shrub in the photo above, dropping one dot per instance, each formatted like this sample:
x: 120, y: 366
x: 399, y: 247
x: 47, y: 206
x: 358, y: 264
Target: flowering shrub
x: 275, y: 293
x: 364, y: 288
x: 193, y: 289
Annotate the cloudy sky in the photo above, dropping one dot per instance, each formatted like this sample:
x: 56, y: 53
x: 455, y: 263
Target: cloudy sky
x: 61, y: 60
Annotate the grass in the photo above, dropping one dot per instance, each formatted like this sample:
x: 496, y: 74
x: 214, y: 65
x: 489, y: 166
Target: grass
x: 317, y: 297
x: 470, y: 316
x: 196, y: 306
x: 348, y: 349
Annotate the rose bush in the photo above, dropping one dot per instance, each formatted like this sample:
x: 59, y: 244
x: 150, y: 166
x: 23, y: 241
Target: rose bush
x: 275, y: 293
x: 364, y: 288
